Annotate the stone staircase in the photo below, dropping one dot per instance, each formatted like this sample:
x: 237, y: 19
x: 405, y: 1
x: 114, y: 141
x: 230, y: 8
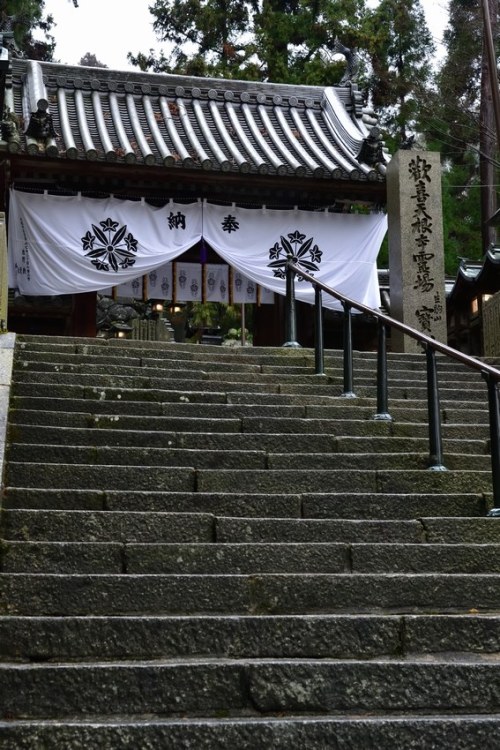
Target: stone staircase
x: 211, y: 548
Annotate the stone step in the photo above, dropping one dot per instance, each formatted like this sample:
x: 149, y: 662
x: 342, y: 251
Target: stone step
x: 345, y: 505
x: 258, y: 593
x: 261, y: 387
x: 229, y: 558
x: 274, y: 481
x: 146, y: 376
x: 106, y: 526
x: 433, y: 530
x: 376, y: 730
x: 238, y: 459
x: 239, y: 686
x: 146, y: 456
x: 188, y: 352
x: 192, y: 400
x: 348, y: 480
x: 192, y: 404
x: 112, y: 557
x: 269, y: 425
x: 67, y: 476
x: 380, y: 506
x: 24, y: 437
x: 343, y: 636
x: 143, y: 526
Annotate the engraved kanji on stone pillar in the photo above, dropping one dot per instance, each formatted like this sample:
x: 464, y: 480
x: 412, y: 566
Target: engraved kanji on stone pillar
x: 416, y: 255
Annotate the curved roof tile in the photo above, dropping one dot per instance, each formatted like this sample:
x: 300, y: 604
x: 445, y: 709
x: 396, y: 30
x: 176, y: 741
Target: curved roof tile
x: 180, y: 122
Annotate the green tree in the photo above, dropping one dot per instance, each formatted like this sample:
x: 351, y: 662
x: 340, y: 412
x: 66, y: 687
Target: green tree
x: 456, y: 125
x: 24, y: 18
x: 291, y: 41
x: 90, y: 61
x: 207, y: 36
x: 400, y: 48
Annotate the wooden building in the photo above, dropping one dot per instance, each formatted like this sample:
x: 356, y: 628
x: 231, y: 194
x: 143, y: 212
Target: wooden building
x: 95, y: 132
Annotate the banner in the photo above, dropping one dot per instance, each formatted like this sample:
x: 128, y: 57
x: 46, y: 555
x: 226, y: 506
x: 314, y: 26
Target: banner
x: 159, y: 283
x: 188, y: 282
x: 339, y: 249
x: 67, y: 244
x: 217, y: 283
x: 243, y: 289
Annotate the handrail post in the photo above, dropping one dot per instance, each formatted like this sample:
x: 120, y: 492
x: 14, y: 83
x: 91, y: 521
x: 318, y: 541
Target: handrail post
x: 348, y: 365
x: 494, y: 411
x: 382, y: 381
x: 319, y: 359
x: 290, y: 311
x: 434, y: 413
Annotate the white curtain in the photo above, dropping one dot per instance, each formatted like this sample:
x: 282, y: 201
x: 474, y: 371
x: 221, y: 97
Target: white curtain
x: 60, y: 245
x: 338, y: 249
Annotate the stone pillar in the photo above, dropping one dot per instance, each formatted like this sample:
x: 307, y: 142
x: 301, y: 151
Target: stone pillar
x: 4, y: 282
x: 416, y: 255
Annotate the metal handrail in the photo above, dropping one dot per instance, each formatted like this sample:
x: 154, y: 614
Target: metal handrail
x: 431, y: 346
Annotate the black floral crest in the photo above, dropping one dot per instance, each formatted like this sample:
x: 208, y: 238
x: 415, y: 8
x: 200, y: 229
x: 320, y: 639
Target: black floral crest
x: 300, y: 250
x: 110, y: 247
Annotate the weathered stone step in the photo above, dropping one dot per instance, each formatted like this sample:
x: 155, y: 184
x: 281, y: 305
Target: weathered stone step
x: 123, y: 422
x: 21, y: 436
x: 292, y: 385
x: 125, y: 376
x: 106, y: 526
x: 437, y: 530
x: 379, y: 506
x: 146, y: 456
x: 376, y: 460
x: 334, y: 389
x: 189, y: 352
x: 201, y: 558
x: 256, y: 356
x: 225, y: 458
x: 271, y: 369
x: 62, y: 557
x: 275, y: 481
x: 246, y: 686
x: 229, y: 558
x: 348, y: 480
x: 281, y: 418
x: 382, y: 730
x: 74, y: 436
x: 193, y: 404
x: 343, y: 636
x: 153, y: 377
x: 173, y: 352
x: 346, y: 505
x: 67, y: 476
x: 310, y: 593
x: 157, y: 408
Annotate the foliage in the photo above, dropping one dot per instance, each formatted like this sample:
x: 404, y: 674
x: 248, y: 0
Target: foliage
x: 216, y: 315
x: 400, y: 47
x: 24, y: 17
x: 289, y: 41
x: 91, y: 61
x: 454, y: 125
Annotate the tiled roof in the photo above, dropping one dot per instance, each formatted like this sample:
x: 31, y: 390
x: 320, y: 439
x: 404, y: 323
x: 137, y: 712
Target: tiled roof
x: 94, y: 114
x: 475, y: 277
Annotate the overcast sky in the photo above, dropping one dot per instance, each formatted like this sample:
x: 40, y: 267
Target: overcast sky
x: 111, y: 28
